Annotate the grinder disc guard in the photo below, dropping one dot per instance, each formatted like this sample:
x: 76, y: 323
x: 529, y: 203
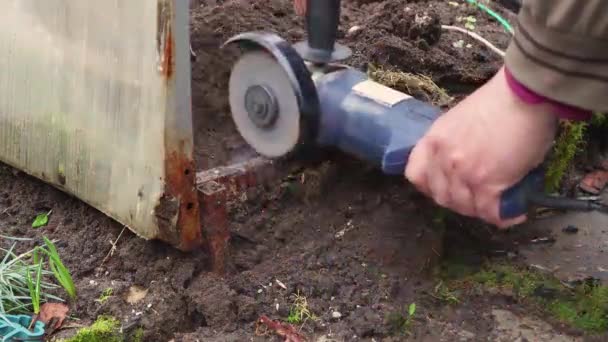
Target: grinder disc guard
x: 264, y: 104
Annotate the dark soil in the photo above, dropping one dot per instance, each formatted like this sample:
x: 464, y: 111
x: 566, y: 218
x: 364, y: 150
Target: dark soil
x: 339, y: 234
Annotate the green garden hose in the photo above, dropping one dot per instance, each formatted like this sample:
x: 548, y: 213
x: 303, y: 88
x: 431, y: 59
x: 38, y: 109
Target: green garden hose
x: 493, y: 14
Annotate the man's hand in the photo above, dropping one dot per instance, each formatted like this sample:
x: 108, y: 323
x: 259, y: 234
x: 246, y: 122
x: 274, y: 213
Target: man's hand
x: 300, y: 7
x: 480, y: 148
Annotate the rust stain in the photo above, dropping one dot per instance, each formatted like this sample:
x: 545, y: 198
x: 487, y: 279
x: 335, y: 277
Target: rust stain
x: 219, y: 186
x: 178, y: 210
x: 168, y: 54
x: 216, y: 227
x: 164, y: 38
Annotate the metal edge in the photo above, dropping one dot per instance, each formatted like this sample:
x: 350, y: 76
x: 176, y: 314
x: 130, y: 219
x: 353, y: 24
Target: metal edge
x: 178, y: 211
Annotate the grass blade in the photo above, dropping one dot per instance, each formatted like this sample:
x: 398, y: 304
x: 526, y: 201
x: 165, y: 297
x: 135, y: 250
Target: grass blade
x: 62, y: 274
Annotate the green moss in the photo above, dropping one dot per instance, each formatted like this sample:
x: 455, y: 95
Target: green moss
x: 569, y: 143
x: 105, y: 329
x: 456, y: 269
x: 138, y: 335
x: 571, y: 140
x: 599, y: 120
x: 584, y: 307
x: 521, y: 281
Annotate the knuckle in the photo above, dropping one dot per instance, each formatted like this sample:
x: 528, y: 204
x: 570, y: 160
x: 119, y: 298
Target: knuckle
x: 455, y: 161
x: 479, y: 175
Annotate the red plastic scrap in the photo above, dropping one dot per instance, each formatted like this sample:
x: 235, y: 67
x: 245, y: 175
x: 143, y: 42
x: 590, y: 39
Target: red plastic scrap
x: 282, y: 329
x: 594, y: 182
x: 52, y: 315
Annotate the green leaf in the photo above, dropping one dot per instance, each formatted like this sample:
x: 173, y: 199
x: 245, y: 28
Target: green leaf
x: 412, y: 309
x: 41, y: 220
x: 62, y: 274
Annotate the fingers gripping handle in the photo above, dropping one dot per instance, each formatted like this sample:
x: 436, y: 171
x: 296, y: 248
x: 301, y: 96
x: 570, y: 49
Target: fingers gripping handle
x: 515, y: 201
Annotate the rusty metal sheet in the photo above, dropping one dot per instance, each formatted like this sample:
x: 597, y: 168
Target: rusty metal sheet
x: 218, y: 187
x: 95, y: 100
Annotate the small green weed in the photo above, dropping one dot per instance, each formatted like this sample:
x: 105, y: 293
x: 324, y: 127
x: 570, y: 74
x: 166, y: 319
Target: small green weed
x: 299, y: 312
x: 62, y: 274
x: 20, y: 293
x: 138, y: 335
x: 34, y: 286
x: 105, y: 295
x: 41, y: 220
x: 443, y: 293
x: 470, y: 23
x: 401, y: 323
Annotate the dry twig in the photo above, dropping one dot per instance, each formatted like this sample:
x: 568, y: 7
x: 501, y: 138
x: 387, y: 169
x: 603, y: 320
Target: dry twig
x: 113, y: 249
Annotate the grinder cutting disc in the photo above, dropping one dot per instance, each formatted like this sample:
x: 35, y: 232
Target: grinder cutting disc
x: 264, y: 104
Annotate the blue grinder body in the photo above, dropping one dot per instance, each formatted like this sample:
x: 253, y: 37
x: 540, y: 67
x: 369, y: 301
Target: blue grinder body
x: 370, y: 121
x: 377, y: 124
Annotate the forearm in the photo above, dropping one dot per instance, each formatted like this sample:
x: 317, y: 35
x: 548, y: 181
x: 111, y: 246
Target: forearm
x: 560, y: 52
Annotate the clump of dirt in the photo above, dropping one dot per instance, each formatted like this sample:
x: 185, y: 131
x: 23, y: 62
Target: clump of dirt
x: 406, y: 36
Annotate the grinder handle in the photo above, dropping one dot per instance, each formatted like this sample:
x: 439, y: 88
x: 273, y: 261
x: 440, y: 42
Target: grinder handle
x: 516, y: 200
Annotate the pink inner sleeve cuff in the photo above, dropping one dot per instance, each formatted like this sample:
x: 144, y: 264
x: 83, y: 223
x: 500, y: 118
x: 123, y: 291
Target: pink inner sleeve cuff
x: 562, y: 111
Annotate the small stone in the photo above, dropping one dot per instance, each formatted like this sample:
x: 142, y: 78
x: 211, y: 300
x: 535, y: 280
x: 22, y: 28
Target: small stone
x: 570, y: 229
x: 336, y: 315
x: 354, y: 30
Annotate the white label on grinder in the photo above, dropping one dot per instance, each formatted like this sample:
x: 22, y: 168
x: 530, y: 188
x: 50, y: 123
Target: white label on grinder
x: 379, y: 93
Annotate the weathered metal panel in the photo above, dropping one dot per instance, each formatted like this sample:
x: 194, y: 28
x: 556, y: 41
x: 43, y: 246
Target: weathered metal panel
x: 95, y: 99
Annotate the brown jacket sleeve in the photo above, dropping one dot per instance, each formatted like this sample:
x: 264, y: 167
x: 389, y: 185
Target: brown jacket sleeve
x: 560, y: 50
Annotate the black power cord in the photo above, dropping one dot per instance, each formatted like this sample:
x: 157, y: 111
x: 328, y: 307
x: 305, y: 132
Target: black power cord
x: 565, y: 203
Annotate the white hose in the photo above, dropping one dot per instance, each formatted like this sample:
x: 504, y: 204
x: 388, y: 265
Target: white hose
x: 476, y: 37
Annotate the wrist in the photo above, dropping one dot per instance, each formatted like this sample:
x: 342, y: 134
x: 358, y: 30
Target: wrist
x: 561, y: 110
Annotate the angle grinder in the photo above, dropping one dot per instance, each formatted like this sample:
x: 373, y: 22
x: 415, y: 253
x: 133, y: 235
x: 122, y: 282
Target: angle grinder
x: 284, y: 97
